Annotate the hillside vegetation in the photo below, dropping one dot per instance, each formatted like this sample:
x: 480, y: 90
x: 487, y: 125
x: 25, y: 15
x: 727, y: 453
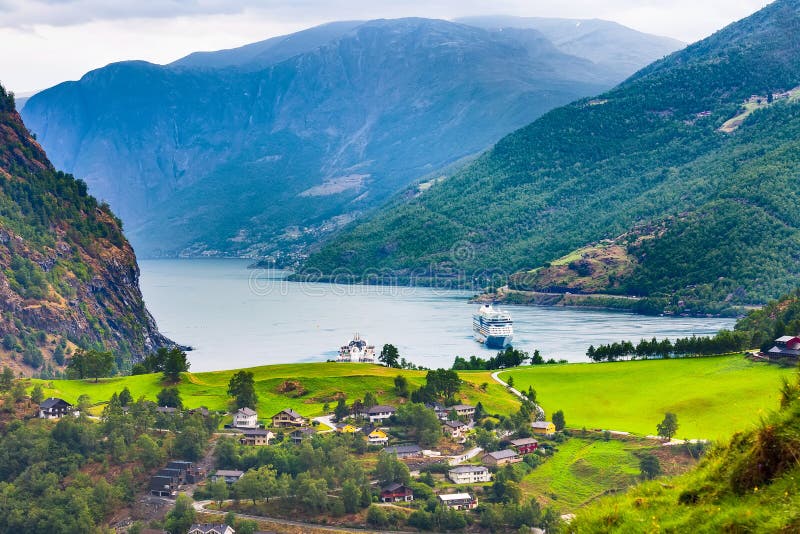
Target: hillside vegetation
x: 647, y: 152
x: 68, y: 277
x: 752, y: 484
x: 310, y: 387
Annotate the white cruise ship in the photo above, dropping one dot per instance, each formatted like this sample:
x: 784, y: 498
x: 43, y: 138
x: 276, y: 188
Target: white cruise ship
x: 493, y: 328
x: 358, y: 350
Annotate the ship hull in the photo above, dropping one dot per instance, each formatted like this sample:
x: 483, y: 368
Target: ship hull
x: 498, y: 342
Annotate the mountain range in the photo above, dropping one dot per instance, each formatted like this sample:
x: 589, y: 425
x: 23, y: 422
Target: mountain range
x: 685, y: 175
x: 270, y: 147
x: 68, y: 277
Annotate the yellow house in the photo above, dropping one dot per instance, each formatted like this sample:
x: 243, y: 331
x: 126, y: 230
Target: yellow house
x: 544, y: 428
x: 378, y: 437
x: 346, y: 429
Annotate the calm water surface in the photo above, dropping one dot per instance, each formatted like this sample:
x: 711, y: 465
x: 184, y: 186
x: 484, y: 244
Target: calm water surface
x: 235, y: 317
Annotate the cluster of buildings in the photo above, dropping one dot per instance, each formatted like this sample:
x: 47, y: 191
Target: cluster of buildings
x: 168, y: 480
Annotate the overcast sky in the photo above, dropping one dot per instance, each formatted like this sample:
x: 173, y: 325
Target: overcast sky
x: 45, y: 42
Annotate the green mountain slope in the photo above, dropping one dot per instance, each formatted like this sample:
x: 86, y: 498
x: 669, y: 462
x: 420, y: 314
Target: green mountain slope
x: 68, y: 277
x: 649, y: 151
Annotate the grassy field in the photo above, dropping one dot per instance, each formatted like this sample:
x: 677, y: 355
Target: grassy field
x: 713, y: 397
x: 582, y: 470
x: 323, y: 382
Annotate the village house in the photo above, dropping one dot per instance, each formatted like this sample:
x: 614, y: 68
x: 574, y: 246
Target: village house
x: 469, y: 474
x: 378, y: 437
x: 380, y: 413
x: 177, y: 474
x: 245, y: 418
x: 202, y: 411
x: 438, y: 409
x: 54, y: 408
x: 209, y: 528
x: 167, y: 410
x: 503, y: 457
x: 525, y: 445
x: 459, y: 501
x: 543, y: 428
x: 230, y: 476
x: 163, y: 486
x: 189, y: 472
x: 455, y: 429
x: 287, y: 418
x: 785, y: 347
x: 397, y: 493
x: 404, y: 451
x: 346, y: 428
x: 256, y: 437
x: 463, y: 410
x: 302, y: 434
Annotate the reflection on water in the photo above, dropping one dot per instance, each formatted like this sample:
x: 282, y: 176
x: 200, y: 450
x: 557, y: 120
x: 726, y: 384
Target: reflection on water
x: 235, y: 317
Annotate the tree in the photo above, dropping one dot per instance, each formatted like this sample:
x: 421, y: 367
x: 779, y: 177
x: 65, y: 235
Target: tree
x: 650, y: 466
x: 351, y: 496
x: 341, y: 411
x: 668, y: 427
x: 376, y: 516
x: 401, y: 386
x: 242, y: 388
x: 218, y: 491
x: 181, y: 517
x: 6, y: 379
x: 389, y: 356
x: 175, y: 363
x: 125, y: 397
x: 170, y: 397
x: 422, y: 421
x: 558, y: 420
x: 37, y: 394
x: 91, y: 364
x: 84, y: 403
x: 18, y: 392
x: 389, y: 469
x: 444, y: 382
x: 537, y: 359
x: 370, y: 400
x: 510, y: 381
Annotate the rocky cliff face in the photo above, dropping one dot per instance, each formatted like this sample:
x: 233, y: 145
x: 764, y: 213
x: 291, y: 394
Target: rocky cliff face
x: 68, y: 276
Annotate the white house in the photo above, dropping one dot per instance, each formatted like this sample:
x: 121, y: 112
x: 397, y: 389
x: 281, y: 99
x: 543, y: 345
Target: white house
x: 209, y: 528
x: 245, y: 418
x: 380, y: 413
x: 469, y: 474
x: 459, y: 501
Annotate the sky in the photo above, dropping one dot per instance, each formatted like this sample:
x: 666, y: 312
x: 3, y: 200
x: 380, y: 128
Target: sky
x: 45, y: 42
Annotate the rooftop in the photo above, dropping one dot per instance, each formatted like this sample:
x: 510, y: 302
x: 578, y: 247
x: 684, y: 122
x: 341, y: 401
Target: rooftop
x: 229, y: 473
x: 523, y: 441
x: 381, y: 408
x: 541, y: 424
x: 403, y: 449
x: 52, y: 402
x: 456, y: 497
x: 288, y: 411
x: 469, y: 469
x: 502, y: 455
x: 246, y: 411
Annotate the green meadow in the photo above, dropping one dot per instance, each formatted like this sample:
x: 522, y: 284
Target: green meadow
x: 713, y: 397
x: 581, y: 471
x: 321, y: 382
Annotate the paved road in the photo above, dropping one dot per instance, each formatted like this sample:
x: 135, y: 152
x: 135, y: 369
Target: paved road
x: 496, y: 378
x: 326, y: 420
x: 200, y: 506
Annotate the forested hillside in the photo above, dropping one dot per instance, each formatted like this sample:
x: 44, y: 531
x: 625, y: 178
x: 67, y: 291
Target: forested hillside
x: 68, y: 277
x: 268, y: 147
x: 649, y: 152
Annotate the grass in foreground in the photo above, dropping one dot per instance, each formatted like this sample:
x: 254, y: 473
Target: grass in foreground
x: 322, y: 382
x: 713, y: 397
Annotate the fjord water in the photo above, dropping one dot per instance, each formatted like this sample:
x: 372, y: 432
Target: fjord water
x: 235, y: 317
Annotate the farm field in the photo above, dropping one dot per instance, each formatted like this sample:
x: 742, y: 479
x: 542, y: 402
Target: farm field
x: 712, y: 397
x: 321, y: 383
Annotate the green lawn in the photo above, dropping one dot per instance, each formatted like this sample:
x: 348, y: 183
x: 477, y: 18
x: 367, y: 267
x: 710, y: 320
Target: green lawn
x: 713, y: 397
x: 582, y: 470
x: 322, y: 381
